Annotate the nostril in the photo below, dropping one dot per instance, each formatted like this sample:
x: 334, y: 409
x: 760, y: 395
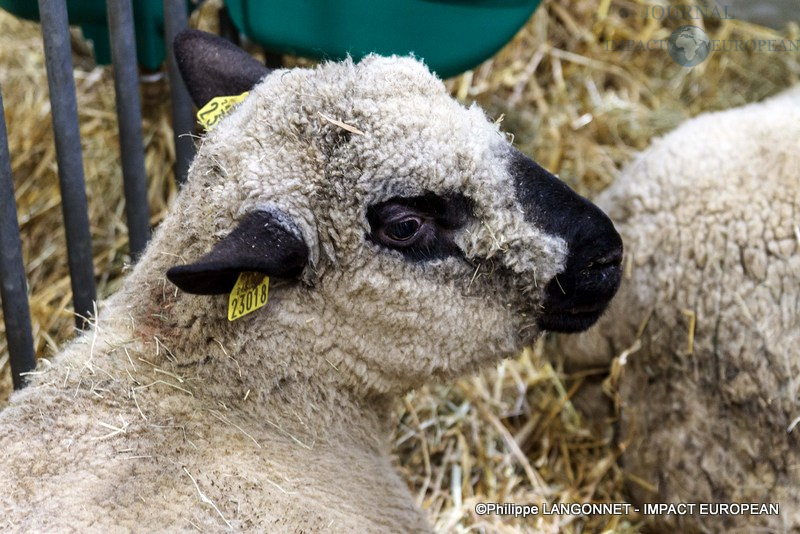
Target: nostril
x: 579, y: 294
x: 609, y: 259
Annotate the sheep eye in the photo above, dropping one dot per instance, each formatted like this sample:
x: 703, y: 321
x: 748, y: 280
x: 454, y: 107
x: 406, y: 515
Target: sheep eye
x: 403, y: 230
x: 420, y: 228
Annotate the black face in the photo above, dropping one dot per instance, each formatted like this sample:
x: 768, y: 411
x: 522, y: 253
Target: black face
x: 422, y: 227
x: 578, y: 295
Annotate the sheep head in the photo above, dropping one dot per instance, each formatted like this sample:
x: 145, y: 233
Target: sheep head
x: 405, y: 226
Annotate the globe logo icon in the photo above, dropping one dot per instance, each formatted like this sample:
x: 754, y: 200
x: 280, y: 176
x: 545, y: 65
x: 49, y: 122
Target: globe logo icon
x: 688, y: 46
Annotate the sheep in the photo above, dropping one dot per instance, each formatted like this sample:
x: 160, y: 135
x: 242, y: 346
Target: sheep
x: 405, y: 241
x: 707, y: 322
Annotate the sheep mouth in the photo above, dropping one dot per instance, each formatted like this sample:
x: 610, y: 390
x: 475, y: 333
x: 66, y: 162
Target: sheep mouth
x: 571, y: 321
x: 576, y: 298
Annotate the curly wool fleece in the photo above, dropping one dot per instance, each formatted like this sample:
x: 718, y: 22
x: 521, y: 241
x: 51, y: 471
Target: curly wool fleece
x: 167, y: 416
x: 410, y: 138
x: 414, y: 139
x: 710, y: 216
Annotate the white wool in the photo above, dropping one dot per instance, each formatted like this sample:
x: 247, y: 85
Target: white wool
x: 709, y: 391
x: 168, y: 416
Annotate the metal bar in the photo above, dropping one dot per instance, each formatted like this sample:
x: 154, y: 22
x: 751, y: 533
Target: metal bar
x: 13, y: 286
x: 183, y: 121
x: 129, y: 117
x: 58, y: 60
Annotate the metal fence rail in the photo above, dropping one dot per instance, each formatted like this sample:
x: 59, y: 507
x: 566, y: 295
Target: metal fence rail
x: 58, y: 60
x: 13, y: 286
x: 129, y: 116
x: 183, y: 121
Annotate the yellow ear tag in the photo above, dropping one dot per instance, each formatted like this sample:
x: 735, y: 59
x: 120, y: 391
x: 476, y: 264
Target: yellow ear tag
x: 216, y: 108
x: 248, y: 294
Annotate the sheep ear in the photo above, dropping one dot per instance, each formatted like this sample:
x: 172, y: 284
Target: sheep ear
x: 211, y: 66
x: 260, y: 243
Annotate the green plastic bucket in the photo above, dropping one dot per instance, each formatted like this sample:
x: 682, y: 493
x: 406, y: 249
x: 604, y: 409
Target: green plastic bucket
x: 90, y: 15
x: 450, y: 35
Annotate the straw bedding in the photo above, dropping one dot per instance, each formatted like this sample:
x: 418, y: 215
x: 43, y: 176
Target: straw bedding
x: 582, y: 109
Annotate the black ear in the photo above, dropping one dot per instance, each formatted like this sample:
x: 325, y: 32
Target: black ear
x: 212, y: 66
x: 260, y: 243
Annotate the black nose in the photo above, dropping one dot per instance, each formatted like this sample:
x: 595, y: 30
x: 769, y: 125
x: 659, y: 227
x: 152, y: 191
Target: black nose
x: 579, y: 294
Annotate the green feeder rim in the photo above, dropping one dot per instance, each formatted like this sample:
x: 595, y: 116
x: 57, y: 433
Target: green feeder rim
x: 451, y: 36
x: 91, y: 16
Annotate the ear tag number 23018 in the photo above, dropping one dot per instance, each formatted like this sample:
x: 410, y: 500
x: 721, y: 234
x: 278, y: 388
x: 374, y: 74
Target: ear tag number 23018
x: 248, y: 294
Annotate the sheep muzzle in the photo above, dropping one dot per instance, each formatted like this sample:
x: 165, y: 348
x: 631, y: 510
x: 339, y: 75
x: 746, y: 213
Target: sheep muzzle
x: 577, y: 296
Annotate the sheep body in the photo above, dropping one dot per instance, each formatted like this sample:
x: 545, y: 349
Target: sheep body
x: 126, y: 447
x: 709, y: 402
x: 166, y: 416
x: 172, y: 381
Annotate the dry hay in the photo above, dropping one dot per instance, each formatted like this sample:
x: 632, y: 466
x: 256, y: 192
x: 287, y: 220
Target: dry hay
x: 511, y: 434
x: 27, y: 112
